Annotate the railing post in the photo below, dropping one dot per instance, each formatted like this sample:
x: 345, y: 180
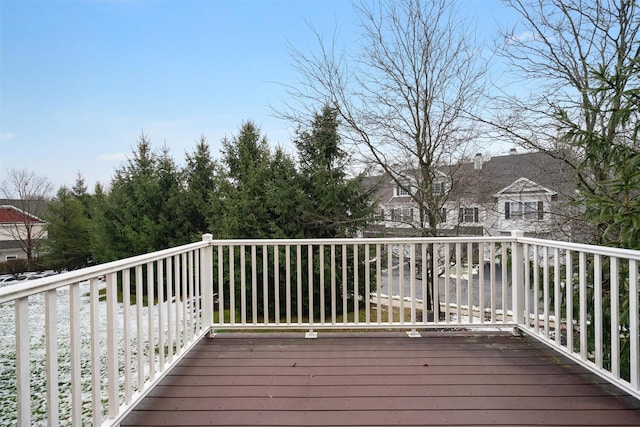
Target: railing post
x: 634, y: 326
x: 23, y: 361
x: 517, y: 278
x: 206, y: 276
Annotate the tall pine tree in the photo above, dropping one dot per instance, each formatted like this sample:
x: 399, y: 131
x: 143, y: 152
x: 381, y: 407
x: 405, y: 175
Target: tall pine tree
x: 140, y: 214
x: 201, y: 205
x: 335, y: 205
x: 68, y: 244
x: 246, y: 158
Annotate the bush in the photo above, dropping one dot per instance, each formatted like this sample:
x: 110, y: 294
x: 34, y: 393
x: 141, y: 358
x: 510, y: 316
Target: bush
x: 14, y: 266
x: 22, y: 265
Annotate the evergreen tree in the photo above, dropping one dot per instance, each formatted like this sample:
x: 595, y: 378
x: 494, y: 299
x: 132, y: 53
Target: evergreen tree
x: 283, y: 197
x: 101, y: 228
x: 264, y: 196
x: 68, y: 227
x: 81, y: 192
x: 200, y: 205
x: 140, y: 214
x: 614, y: 203
x: 79, y: 188
x: 246, y: 158
x: 172, y: 226
x: 335, y: 204
x: 257, y: 200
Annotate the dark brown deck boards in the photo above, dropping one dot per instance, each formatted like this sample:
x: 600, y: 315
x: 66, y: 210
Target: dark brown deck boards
x: 381, y: 380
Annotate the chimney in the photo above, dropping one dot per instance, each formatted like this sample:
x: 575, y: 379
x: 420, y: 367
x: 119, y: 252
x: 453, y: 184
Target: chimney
x: 477, y: 161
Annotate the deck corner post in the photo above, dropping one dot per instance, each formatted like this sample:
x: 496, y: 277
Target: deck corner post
x: 517, y: 278
x: 206, y: 274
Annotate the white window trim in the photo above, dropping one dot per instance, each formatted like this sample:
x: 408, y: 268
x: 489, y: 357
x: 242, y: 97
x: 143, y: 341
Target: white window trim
x: 473, y: 212
x: 400, y: 192
x: 530, y: 210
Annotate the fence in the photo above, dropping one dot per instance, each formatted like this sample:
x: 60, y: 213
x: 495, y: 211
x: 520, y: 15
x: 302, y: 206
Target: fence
x: 87, y: 345
x: 84, y: 349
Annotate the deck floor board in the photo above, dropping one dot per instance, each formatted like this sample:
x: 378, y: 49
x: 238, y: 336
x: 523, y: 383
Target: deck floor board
x: 373, y: 379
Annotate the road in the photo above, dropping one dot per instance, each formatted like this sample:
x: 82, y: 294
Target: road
x: 452, y: 285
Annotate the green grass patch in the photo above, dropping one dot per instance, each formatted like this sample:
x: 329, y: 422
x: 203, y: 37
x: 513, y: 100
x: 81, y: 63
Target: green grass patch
x: 362, y: 317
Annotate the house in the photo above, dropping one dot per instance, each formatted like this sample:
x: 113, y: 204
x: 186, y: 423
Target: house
x: 19, y: 228
x: 485, y: 196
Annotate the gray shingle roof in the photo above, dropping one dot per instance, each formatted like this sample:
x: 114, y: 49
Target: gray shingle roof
x: 549, y: 171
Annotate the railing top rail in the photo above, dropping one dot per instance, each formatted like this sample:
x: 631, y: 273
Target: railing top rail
x: 581, y: 247
x: 32, y: 287
x: 362, y: 240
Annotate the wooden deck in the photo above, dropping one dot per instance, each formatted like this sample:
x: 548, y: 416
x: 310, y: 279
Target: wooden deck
x: 374, y: 379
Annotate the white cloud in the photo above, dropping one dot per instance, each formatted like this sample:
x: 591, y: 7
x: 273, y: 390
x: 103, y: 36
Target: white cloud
x: 524, y: 37
x: 113, y: 157
x: 7, y: 136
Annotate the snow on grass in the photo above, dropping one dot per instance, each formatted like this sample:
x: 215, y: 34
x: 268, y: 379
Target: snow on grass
x: 8, y: 387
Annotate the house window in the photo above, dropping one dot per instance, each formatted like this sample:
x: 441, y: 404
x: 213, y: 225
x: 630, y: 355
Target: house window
x: 443, y: 215
x: 524, y: 210
x: 401, y: 191
x: 407, y: 214
x: 468, y: 215
x: 438, y: 187
x: 402, y: 215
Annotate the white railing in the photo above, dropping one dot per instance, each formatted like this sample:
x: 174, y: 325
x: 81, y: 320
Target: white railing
x: 586, y: 305
x: 79, y: 349
x: 580, y: 299
x: 95, y: 350
x: 362, y: 283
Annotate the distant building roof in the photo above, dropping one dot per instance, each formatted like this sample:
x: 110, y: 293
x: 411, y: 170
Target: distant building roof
x: 11, y: 215
x: 499, y: 172
x: 480, y: 180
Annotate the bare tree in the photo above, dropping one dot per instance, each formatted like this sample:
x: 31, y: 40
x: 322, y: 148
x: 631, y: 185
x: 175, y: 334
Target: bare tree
x: 403, y: 95
x: 404, y: 92
x: 575, y: 64
x: 28, y: 192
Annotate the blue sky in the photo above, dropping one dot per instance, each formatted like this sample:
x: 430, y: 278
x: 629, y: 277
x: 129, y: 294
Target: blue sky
x: 80, y: 80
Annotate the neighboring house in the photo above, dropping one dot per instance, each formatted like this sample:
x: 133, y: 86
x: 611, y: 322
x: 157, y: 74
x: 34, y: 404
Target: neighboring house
x: 486, y: 196
x: 17, y: 227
